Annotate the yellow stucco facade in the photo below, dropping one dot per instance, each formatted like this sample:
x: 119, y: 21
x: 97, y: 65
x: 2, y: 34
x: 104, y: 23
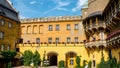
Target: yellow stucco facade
x: 9, y: 33
x: 65, y: 37
x: 64, y: 49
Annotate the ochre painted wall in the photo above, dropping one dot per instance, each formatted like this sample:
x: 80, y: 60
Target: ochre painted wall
x: 43, y: 33
x: 11, y: 35
x: 62, y: 50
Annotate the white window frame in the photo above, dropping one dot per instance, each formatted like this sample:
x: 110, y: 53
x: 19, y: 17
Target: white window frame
x: 49, y: 40
x: 76, y: 39
x: 68, y: 39
x: 68, y: 26
x: 50, y: 27
x: 57, y: 40
x: 57, y: 27
x: 76, y: 26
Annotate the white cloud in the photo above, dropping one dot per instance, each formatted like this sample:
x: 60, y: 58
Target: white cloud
x: 23, y: 9
x: 64, y: 9
x: 79, y: 4
x: 32, y: 2
x: 22, y: 17
x: 60, y: 6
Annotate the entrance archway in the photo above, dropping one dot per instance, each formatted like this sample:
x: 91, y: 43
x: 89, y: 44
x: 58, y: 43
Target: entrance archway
x: 70, y: 59
x: 52, y: 57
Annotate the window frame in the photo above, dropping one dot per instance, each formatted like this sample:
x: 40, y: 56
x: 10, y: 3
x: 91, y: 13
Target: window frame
x: 2, y: 47
x: 76, y: 38
x: 76, y: 26
x: 68, y: 27
x: 50, y: 40
x: 50, y: 27
x: 71, y: 62
x: 57, y: 40
x: 71, y: 55
x: 8, y: 47
x: 68, y: 39
x: 9, y: 25
x: 57, y: 27
x: 1, y: 35
x: 2, y: 22
x: 37, y: 40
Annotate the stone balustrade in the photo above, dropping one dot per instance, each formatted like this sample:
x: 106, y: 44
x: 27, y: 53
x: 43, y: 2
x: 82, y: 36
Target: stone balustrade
x: 46, y: 19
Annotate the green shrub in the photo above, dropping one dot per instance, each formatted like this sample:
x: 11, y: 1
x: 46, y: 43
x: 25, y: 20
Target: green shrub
x: 27, y: 58
x: 89, y: 64
x: 62, y: 64
x: 78, y: 60
x: 111, y: 63
x: 36, y: 59
x: 8, y: 57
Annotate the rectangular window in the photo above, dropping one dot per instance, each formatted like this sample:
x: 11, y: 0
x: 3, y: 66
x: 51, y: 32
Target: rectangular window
x: 49, y: 40
x: 71, y: 62
x: 20, y: 40
x: 37, y: 40
x: 10, y: 25
x: 76, y: 39
x: 57, y: 40
x: 2, y: 22
x: 1, y: 35
x: 76, y: 26
x: 50, y: 28
x: 68, y: 26
x: 57, y: 27
x: 2, y: 47
x: 68, y: 39
x: 8, y: 47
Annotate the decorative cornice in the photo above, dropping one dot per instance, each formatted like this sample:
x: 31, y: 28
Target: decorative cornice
x: 48, y: 19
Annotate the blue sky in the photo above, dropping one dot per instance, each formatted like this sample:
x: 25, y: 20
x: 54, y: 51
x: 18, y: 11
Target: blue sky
x: 47, y: 8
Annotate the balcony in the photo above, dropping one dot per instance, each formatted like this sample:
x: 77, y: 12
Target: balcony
x: 113, y: 39
x: 114, y: 15
x: 92, y: 27
x: 113, y: 34
x: 96, y: 43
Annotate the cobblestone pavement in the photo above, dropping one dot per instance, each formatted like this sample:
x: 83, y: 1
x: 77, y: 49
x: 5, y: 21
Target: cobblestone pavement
x: 38, y: 67
x: 49, y: 67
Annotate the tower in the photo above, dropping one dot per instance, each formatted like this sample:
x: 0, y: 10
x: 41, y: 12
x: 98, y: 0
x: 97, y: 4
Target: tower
x: 95, y: 29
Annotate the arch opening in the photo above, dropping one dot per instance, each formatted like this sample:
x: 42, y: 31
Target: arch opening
x: 52, y: 58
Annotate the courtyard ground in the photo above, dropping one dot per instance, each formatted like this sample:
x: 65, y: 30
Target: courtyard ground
x: 38, y: 67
